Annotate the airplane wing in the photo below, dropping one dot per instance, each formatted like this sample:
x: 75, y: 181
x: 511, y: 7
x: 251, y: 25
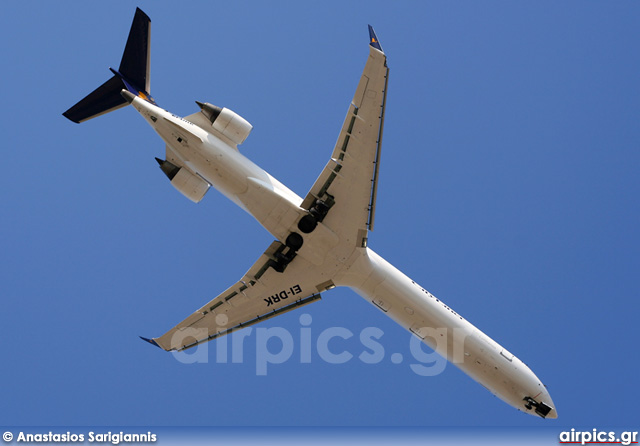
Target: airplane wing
x: 262, y: 293
x: 347, y: 185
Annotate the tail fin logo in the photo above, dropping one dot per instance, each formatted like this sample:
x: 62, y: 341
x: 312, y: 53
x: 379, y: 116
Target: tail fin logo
x: 144, y: 96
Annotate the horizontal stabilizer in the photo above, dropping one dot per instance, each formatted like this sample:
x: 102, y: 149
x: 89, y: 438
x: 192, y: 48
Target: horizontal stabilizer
x: 102, y: 100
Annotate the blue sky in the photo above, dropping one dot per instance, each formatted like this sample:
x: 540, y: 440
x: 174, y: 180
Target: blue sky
x: 509, y: 189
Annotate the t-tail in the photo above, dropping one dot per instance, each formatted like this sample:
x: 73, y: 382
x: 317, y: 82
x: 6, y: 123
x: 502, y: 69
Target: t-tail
x: 132, y: 75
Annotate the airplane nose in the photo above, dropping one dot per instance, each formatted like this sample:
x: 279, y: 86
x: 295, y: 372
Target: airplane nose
x: 541, y: 404
x: 553, y: 413
x: 545, y: 407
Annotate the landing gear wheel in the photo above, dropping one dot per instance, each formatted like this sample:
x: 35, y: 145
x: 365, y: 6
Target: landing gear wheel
x: 307, y: 224
x: 529, y: 403
x: 294, y: 241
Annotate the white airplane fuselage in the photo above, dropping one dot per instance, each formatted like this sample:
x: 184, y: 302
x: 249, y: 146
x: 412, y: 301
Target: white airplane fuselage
x: 278, y: 209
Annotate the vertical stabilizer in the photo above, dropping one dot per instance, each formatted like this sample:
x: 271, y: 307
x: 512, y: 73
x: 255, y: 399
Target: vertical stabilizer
x: 134, y: 65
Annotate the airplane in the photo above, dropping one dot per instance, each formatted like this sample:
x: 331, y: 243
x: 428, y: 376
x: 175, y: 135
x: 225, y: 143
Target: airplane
x: 321, y: 239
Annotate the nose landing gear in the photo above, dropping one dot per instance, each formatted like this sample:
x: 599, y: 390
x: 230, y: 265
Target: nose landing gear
x: 541, y: 408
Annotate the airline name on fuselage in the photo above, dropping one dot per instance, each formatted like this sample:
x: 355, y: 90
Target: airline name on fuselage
x: 180, y: 118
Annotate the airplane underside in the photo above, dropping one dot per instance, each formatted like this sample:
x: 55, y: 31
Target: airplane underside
x: 321, y: 239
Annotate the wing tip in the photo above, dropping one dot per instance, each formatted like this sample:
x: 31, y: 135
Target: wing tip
x: 373, y: 39
x: 151, y: 341
x: 142, y: 13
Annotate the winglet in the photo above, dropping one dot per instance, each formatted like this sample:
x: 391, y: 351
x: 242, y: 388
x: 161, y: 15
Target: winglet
x: 151, y: 341
x: 373, y: 39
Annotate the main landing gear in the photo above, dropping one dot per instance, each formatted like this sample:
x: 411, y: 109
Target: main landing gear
x: 316, y: 214
x: 287, y: 252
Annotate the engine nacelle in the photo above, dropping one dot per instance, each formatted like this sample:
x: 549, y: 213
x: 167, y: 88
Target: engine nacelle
x: 191, y: 186
x: 227, y: 122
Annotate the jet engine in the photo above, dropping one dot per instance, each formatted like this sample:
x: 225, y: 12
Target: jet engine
x: 227, y: 122
x: 191, y: 186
